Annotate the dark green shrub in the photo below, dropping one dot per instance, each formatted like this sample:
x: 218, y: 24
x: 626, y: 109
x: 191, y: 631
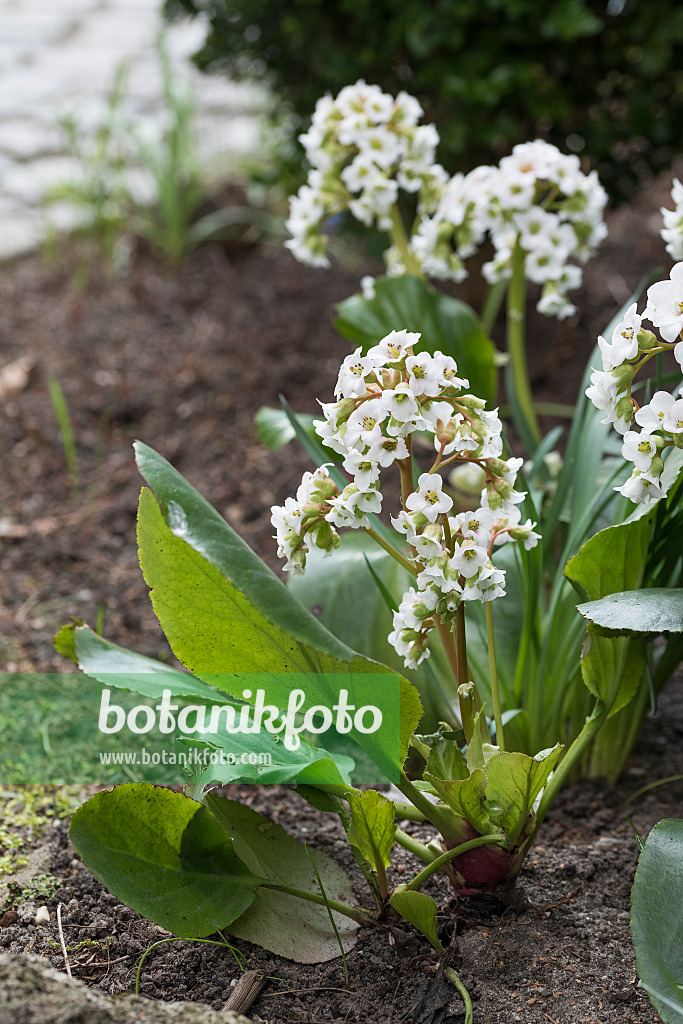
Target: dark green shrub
x: 601, y: 77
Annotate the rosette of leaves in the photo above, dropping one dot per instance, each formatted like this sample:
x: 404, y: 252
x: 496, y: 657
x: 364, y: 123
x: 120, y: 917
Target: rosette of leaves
x: 195, y: 862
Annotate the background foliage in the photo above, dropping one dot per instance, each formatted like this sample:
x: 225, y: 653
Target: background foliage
x: 603, y: 78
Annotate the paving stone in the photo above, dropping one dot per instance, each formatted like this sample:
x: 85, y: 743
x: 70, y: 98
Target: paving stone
x: 59, y: 56
x: 19, y: 234
x: 27, y: 139
x: 29, y: 182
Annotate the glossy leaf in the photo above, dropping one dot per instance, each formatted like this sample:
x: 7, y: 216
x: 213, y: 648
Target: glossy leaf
x: 274, y: 429
x: 514, y: 782
x: 632, y: 612
x: 165, y: 856
x: 657, y: 919
x: 612, y: 560
x: 467, y: 798
x: 446, y: 325
x: 372, y: 830
x: 418, y: 909
x: 282, y: 923
x: 117, y: 666
x: 445, y: 759
x: 278, y: 765
x: 224, y: 612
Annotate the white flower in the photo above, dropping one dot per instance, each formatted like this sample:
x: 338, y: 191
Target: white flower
x: 665, y: 304
x: 364, y: 471
x: 362, y: 422
x: 640, y: 449
x: 350, y: 382
x: 673, y: 418
x: 672, y: 232
x: 367, y: 284
x: 429, y: 498
x: 651, y: 417
x: 468, y: 558
x: 641, y: 487
x: 393, y: 347
x: 624, y: 341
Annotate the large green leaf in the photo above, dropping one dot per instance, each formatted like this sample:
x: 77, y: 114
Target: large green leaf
x: 612, y: 560
x: 515, y: 780
x: 164, y: 855
x: 657, y: 919
x: 373, y: 829
x: 117, y: 666
x: 224, y: 612
x: 267, y: 761
x: 633, y: 612
x: 418, y: 909
x: 446, y: 325
x: 282, y: 923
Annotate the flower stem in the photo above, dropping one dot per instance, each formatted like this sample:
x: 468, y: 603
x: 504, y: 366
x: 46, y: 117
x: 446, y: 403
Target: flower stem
x: 398, y: 236
x: 414, y: 846
x: 471, y: 844
x: 520, y: 397
x: 463, y: 672
x: 493, y: 672
x: 452, y: 975
x: 440, y: 817
x: 358, y: 914
x: 391, y: 550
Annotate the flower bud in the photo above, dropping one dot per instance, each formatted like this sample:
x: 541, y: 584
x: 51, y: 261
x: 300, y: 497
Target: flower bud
x: 624, y: 409
x: 657, y: 466
x: 646, y: 341
x: 472, y: 403
x: 445, y: 432
x: 624, y: 374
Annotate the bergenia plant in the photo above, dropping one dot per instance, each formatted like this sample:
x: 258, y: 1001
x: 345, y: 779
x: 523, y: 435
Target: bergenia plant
x: 197, y: 862
x: 544, y: 218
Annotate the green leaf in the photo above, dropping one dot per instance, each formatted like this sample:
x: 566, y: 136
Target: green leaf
x: 278, y: 766
x: 467, y: 798
x: 633, y: 612
x: 275, y: 430
x: 515, y: 780
x: 372, y: 830
x: 418, y: 909
x: 612, y: 560
x: 224, y: 612
x: 282, y: 923
x: 657, y: 919
x: 446, y: 325
x: 445, y: 759
x: 165, y: 856
x: 126, y: 670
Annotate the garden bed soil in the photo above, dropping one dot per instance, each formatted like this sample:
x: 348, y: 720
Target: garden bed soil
x: 182, y: 359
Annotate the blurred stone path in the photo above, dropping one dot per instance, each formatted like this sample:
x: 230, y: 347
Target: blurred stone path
x: 59, y: 56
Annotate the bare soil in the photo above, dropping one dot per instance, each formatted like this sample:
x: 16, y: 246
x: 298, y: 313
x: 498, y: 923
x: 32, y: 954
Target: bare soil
x: 182, y: 359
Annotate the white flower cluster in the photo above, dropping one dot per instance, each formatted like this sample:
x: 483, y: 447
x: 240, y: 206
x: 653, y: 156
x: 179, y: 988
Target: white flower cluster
x: 537, y: 198
x: 672, y: 232
x: 383, y: 397
x: 363, y: 147
x: 661, y: 420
